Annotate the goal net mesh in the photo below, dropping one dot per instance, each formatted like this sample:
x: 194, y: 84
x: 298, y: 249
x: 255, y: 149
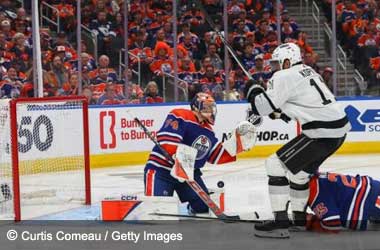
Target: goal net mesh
x: 51, y: 157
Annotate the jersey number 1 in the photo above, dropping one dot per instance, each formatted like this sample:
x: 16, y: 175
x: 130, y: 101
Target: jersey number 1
x: 324, y: 100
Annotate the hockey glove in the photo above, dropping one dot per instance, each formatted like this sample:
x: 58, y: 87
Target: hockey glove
x: 313, y: 223
x: 243, y: 138
x: 279, y: 115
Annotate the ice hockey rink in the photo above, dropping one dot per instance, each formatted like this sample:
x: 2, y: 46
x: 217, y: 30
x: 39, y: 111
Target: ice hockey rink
x: 245, y: 183
x: 245, y: 193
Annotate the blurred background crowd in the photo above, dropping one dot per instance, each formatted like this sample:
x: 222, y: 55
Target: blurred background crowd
x: 200, y: 57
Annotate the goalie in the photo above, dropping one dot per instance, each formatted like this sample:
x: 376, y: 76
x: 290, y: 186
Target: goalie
x: 187, y: 135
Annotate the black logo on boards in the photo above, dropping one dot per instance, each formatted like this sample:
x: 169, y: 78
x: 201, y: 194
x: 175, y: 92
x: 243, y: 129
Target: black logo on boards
x: 271, y: 136
x: 38, y: 133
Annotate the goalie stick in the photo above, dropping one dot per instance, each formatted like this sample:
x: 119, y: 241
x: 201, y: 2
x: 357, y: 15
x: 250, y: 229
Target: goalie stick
x: 192, y: 184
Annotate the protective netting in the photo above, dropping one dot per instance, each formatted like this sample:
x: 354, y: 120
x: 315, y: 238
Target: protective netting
x: 51, y: 157
x: 6, y: 206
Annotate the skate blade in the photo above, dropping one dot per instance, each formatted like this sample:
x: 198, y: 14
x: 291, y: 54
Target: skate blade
x: 275, y: 234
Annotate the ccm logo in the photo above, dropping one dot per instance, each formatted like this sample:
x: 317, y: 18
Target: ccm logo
x: 108, y: 132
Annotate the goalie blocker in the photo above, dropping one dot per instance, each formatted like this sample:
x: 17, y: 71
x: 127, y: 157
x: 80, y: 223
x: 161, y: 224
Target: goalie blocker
x: 188, y: 137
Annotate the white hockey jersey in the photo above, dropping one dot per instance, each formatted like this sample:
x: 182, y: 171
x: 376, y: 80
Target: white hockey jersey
x: 302, y: 95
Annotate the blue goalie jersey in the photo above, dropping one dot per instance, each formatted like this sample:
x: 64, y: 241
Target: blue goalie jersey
x: 182, y: 127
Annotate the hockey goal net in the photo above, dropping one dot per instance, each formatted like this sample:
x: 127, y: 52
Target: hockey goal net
x: 44, y: 156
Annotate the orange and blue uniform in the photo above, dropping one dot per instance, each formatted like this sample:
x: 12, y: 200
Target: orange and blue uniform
x: 182, y: 127
x: 343, y: 201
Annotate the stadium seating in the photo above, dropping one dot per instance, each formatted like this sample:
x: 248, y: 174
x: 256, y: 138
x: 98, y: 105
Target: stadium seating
x: 358, y: 27
x: 200, y: 51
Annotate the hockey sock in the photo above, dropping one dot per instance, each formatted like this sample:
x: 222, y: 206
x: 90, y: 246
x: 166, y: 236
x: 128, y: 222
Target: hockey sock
x: 299, y: 194
x: 278, y: 192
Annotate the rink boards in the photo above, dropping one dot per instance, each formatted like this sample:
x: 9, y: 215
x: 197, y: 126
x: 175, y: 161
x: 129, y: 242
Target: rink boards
x: 115, y: 139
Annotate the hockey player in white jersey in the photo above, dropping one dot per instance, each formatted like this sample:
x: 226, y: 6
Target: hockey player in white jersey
x: 296, y: 92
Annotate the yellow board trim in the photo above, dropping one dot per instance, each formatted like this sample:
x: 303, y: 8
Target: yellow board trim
x: 139, y: 158
x: 370, y: 147
x: 119, y: 159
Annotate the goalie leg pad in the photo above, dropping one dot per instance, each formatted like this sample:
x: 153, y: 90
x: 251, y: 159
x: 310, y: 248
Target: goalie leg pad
x: 299, y: 190
x: 278, y: 183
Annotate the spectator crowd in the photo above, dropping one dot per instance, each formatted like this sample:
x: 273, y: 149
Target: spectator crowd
x: 200, y: 50
x: 358, y: 29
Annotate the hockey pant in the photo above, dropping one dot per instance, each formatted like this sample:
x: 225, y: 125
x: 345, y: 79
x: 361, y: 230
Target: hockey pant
x: 291, y: 167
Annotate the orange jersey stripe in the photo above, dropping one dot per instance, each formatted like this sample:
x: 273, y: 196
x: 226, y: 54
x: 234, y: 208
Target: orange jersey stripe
x: 377, y: 204
x: 150, y: 182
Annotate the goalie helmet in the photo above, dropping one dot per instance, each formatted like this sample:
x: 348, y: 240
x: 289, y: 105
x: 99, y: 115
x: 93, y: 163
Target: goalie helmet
x: 205, y: 105
x: 286, y: 51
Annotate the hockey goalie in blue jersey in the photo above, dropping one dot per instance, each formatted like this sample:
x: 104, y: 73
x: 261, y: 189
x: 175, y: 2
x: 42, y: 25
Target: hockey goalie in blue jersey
x: 192, y: 128
x: 343, y: 201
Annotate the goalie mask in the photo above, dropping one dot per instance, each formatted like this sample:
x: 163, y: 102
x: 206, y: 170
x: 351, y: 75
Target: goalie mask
x: 286, y: 51
x: 205, y: 105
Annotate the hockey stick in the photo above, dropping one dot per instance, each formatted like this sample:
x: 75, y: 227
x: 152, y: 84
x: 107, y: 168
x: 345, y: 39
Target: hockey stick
x: 192, y: 184
x: 254, y: 119
x: 225, y: 42
x: 206, y: 218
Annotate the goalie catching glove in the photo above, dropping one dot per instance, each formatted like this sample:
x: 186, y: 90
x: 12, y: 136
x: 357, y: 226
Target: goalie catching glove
x: 243, y: 138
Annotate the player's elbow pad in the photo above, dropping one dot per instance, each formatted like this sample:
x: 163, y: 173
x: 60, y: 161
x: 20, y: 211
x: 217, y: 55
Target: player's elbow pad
x: 260, y: 102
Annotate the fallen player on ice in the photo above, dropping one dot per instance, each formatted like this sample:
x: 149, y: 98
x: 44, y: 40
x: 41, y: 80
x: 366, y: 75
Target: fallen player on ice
x: 343, y: 201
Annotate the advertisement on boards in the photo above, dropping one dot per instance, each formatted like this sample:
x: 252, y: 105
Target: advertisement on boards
x: 113, y: 129
x: 364, y: 116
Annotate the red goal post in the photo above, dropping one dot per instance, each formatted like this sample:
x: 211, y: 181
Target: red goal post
x: 48, y: 155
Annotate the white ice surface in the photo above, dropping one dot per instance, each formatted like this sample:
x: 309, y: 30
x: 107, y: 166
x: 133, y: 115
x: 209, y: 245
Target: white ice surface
x: 245, y: 184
